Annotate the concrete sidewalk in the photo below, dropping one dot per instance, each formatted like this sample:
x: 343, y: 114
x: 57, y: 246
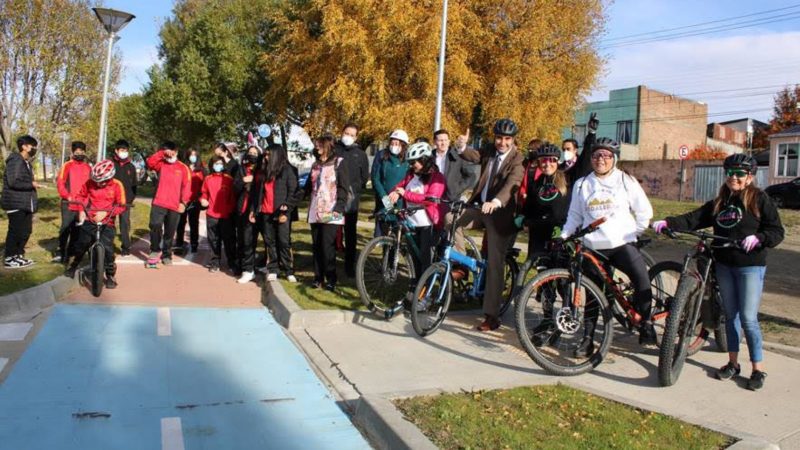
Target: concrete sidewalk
x: 365, y: 357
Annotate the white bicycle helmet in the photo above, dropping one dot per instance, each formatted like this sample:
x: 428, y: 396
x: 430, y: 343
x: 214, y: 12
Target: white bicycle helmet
x: 400, y: 135
x: 418, y: 150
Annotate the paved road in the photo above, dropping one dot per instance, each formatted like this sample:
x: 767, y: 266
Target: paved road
x: 199, y: 364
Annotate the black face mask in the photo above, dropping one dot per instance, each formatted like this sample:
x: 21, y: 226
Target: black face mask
x: 80, y: 158
x: 32, y: 152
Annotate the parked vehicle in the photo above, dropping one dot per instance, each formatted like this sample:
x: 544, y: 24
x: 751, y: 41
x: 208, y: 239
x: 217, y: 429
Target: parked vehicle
x: 785, y: 195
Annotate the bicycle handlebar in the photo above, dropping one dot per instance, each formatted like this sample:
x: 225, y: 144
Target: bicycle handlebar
x: 703, y: 236
x: 591, y: 228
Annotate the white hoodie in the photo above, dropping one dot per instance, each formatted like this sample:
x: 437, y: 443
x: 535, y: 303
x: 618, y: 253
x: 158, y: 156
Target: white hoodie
x: 619, y: 198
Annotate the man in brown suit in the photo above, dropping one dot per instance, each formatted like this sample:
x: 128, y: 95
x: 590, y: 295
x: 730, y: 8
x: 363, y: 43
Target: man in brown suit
x: 501, y: 174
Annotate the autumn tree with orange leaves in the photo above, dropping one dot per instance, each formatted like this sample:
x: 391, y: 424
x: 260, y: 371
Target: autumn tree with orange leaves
x: 375, y: 62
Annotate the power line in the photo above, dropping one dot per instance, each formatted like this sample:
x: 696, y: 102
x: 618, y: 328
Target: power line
x: 694, y: 116
x: 699, y: 24
x: 750, y: 24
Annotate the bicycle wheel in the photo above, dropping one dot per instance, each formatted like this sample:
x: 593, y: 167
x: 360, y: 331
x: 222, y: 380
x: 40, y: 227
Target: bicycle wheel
x: 664, y: 278
x: 674, y: 345
x: 548, y: 330
x: 510, y: 274
x: 431, y: 299
x: 382, y: 282
x: 96, y: 269
x: 462, y: 286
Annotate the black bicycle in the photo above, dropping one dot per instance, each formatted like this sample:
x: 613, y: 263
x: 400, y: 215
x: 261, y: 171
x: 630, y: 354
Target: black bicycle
x: 695, y: 303
x: 97, y: 253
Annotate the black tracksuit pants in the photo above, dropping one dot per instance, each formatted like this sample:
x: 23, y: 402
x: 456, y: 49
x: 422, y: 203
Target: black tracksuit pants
x: 323, y: 236
x: 220, y: 234
x: 125, y: 228
x: 68, y: 232
x: 163, y: 223
x: 247, y: 235
x: 86, y: 238
x: 193, y: 217
x: 350, y: 243
x: 279, y: 245
x: 20, y: 225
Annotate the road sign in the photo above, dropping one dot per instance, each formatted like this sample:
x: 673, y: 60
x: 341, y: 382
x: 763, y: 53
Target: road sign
x: 683, y: 151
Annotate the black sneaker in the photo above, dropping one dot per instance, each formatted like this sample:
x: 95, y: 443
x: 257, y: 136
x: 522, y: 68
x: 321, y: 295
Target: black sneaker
x: 728, y: 371
x: 194, y: 249
x: 111, y: 283
x: 70, y: 271
x: 124, y: 252
x: 647, y: 334
x: 756, y: 380
x: 11, y: 262
x: 585, y: 348
x: 330, y: 287
x: 213, y: 267
x: 24, y: 262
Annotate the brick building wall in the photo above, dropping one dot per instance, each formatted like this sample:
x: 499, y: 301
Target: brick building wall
x: 727, y: 134
x: 666, y: 122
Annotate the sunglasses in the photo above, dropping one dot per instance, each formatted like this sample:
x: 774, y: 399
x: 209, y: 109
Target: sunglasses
x: 602, y: 155
x: 548, y: 160
x: 738, y: 173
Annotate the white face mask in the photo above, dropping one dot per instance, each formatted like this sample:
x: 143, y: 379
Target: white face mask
x: 347, y: 140
x: 395, y: 149
x: 172, y: 160
x: 569, y: 155
x: 192, y: 159
x: 123, y: 155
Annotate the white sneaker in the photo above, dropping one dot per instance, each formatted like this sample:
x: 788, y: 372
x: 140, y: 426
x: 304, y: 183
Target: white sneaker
x: 272, y: 277
x: 246, y: 277
x: 291, y: 279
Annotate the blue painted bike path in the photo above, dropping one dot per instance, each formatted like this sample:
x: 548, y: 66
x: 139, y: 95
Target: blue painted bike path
x: 100, y: 377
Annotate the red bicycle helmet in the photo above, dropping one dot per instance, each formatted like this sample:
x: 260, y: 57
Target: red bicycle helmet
x: 103, y: 171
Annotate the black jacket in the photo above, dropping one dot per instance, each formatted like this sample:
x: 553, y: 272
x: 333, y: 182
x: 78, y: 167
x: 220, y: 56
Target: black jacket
x: 18, y: 190
x: 357, y: 167
x: 125, y: 172
x: 460, y: 174
x: 545, y: 208
x: 583, y: 166
x: 286, y: 191
x: 242, y: 190
x: 735, y: 222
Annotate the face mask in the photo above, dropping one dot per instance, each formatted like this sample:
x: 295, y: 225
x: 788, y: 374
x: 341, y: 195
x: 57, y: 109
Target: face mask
x: 395, y: 149
x: 347, y: 140
x: 32, y: 152
x: 123, y: 155
x: 79, y: 157
x: 218, y: 168
x: 172, y: 160
x: 192, y: 159
x: 569, y: 155
x: 250, y: 159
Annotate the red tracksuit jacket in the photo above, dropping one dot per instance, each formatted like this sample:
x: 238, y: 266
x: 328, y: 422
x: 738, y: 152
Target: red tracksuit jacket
x: 71, y: 178
x: 110, y: 197
x: 218, y: 191
x: 198, y: 175
x: 174, y: 182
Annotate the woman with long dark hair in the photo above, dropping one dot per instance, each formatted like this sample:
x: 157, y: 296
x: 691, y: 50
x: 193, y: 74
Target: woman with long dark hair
x: 191, y: 158
x: 745, y: 213
x: 327, y: 183
x: 275, y: 196
x: 246, y: 229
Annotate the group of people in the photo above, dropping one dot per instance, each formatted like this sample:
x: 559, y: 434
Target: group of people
x: 551, y: 192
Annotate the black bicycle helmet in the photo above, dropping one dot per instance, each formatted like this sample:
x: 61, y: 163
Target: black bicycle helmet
x: 607, y: 144
x: 741, y: 161
x: 550, y: 150
x: 505, y: 127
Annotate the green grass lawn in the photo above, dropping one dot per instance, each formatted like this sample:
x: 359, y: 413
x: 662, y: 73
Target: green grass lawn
x: 552, y: 417
x: 44, y: 241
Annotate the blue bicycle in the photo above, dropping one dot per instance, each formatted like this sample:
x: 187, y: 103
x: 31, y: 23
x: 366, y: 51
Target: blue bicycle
x: 434, y: 290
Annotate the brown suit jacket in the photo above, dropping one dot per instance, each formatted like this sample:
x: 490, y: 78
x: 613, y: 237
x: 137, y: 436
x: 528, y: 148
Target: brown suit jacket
x: 505, y: 183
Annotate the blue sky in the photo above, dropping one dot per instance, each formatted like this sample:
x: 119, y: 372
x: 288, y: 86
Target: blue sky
x: 763, y: 58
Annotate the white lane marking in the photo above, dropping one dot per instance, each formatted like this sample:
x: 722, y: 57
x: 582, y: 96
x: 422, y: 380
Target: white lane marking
x: 14, y: 331
x: 171, y: 433
x: 164, y: 320
x: 3, y: 362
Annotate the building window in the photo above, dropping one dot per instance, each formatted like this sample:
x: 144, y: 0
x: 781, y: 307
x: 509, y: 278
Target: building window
x: 787, y: 160
x: 625, y: 132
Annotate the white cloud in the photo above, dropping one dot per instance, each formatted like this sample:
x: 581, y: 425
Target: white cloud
x: 698, y: 65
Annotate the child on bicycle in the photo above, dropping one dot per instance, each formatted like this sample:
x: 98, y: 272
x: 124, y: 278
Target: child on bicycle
x: 217, y: 196
x: 423, y: 181
x: 102, y: 199
x: 745, y: 213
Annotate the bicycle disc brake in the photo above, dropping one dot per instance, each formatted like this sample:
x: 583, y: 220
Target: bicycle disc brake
x: 566, y: 322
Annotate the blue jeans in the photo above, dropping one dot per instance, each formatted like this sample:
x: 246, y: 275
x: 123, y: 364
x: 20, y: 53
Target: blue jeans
x: 741, y: 295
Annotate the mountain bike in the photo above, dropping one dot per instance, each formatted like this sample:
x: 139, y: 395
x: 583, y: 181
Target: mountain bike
x: 434, y: 291
x: 695, y: 306
x: 563, y: 317
x: 385, y: 271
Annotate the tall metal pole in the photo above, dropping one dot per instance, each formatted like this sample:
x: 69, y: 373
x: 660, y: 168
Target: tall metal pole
x: 437, y: 122
x: 101, y: 141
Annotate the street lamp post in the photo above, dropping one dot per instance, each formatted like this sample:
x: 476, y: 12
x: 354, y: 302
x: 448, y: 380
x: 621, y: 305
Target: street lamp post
x: 437, y: 122
x: 113, y: 21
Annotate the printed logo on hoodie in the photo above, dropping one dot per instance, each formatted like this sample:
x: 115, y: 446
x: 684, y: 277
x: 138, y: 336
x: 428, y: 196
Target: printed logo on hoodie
x: 548, y: 192
x: 730, y: 216
x: 600, y: 203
